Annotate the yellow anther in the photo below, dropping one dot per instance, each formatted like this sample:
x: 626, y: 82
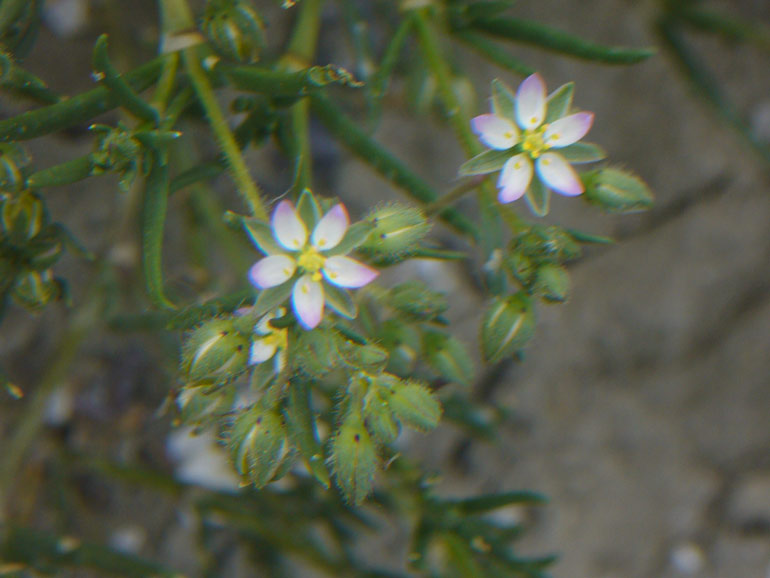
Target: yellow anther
x: 311, y: 260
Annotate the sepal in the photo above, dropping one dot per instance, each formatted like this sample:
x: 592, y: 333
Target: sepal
x: 508, y: 324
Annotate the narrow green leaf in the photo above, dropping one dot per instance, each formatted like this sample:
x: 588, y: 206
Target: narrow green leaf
x: 269, y: 299
x: 63, y: 174
x: 493, y: 52
x: 76, y: 110
x: 538, y: 197
x: 340, y: 300
x: 378, y: 84
x: 154, y: 204
x: 277, y: 83
x: 503, y: 100
x: 582, y: 152
x: 362, y: 145
x: 487, y: 162
x: 107, y: 75
x: 529, y: 32
x: 559, y: 102
x: 200, y: 172
x: 300, y: 420
x: 584, y: 237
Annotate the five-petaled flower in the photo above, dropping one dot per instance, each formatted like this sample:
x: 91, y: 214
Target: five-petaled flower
x: 306, y: 256
x: 524, y: 124
x: 269, y: 341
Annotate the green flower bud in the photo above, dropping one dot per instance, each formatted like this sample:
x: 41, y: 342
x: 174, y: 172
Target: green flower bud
x: 415, y: 300
x: 258, y: 445
x: 234, y: 30
x: 13, y: 164
x: 617, y: 191
x: 413, y: 404
x: 19, y: 37
x: 354, y: 458
x: 21, y: 217
x: 36, y: 289
x: 448, y: 356
x: 507, y: 326
x: 397, y: 229
x: 552, y: 282
x: 546, y: 244
x: 522, y: 267
x: 316, y: 352
x: 215, y: 353
x: 403, y: 344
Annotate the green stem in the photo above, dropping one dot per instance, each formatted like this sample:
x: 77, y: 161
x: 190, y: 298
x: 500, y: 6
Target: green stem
x: 454, y: 195
x: 246, y: 186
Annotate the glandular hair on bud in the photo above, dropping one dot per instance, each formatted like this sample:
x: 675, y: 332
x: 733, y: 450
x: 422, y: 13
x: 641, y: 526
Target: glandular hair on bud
x: 397, y: 230
x: 22, y: 216
x: 215, y: 353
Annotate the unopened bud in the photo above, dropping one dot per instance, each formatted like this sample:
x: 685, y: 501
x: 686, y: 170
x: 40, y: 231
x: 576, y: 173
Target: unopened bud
x: 617, y: 191
x: 552, y: 282
x: 448, y: 357
x: 354, y: 458
x: 215, y: 353
x: 36, y: 289
x: 14, y: 161
x: 414, y: 405
x: 507, y: 326
x: 369, y: 358
x: 397, y: 229
x: 414, y: 299
x: 234, y: 30
x: 21, y: 216
x: 258, y: 445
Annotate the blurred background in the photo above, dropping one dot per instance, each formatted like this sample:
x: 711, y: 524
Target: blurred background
x: 641, y: 408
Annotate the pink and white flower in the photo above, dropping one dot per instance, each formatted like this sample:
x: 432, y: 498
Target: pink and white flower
x: 523, y: 123
x: 305, y: 259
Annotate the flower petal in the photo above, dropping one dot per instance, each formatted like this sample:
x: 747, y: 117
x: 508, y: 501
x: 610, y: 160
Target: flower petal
x: 530, y: 102
x: 558, y: 174
x: 272, y: 271
x: 568, y: 130
x: 514, y: 178
x: 261, y: 350
x: 307, y: 298
x: 331, y: 228
x: 288, y: 228
x: 495, y: 131
x: 347, y: 272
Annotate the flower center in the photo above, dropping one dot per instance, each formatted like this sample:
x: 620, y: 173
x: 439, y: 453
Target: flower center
x: 311, y: 261
x: 277, y: 337
x: 534, y: 143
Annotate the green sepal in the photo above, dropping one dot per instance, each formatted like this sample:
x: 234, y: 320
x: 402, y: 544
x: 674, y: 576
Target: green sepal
x: 261, y: 235
x: 582, y: 152
x: 487, y: 162
x: 617, y: 191
x: 315, y: 352
x: 552, y: 282
x: 308, y: 209
x: 414, y: 405
x: 354, y: 458
x: 214, y: 353
x: 448, y: 357
x: 397, y: 230
x: 559, y: 102
x: 403, y: 344
x: 269, y: 299
x: 356, y: 234
x: 258, y: 445
x: 508, y: 324
x: 301, y: 424
x: 340, y: 300
x: 503, y: 100
x: 538, y: 197
x: 369, y: 358
x: 201, y: 406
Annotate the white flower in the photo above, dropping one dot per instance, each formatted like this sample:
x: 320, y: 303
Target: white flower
x: 307, y: 256
x: 269, y: 342
x: 538, y: 140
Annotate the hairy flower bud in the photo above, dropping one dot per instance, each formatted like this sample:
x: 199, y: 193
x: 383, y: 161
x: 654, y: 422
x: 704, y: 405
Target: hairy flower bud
x: 234, y: 30
x: 258, y: 445
x: 414, y: 299
x: 215, y: 353
x: 354, y: 458
x: 617, y: 191
x: 397, y: 229
x: 552, y: 282
x: 507, y: 325
x: 36, y: 289
x: 413, y: 404
x: 403, y: 344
